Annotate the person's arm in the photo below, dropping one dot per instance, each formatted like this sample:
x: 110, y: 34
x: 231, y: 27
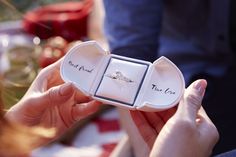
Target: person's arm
x: 132, y: 27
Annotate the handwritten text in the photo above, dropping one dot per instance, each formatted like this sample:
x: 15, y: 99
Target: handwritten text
x: 80, y: 67
x: 165, y: 91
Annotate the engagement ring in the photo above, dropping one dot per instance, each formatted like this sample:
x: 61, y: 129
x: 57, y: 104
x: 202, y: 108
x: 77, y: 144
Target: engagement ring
x: 119, y: 76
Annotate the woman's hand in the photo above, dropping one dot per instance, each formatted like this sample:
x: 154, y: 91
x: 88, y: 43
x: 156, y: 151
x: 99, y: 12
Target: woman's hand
x: 150, y: 124
x: 189, y: 132
x: 51, y: 103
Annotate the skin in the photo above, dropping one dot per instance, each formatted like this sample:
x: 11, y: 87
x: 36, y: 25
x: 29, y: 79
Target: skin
x: 186, y: 132
x: 51, y: 103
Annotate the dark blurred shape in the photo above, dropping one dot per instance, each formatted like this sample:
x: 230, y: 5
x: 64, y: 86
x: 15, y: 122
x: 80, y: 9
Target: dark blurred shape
x: 68, y: 20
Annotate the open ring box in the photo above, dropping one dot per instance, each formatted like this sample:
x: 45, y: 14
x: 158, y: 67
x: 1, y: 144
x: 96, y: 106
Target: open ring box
x: 123, y: 81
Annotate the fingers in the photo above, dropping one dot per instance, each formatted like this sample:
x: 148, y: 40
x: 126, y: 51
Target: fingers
x: 167, y: 114
x: 155, y: 120
x: 47, y: 78
x: 208, y: 129
x: 192, y: 100
x: 52, y: 74
x: 80, y: 111
x: 80, y: 97
x: 55, y: 64
x: 54, y: 96
x: 148, y: 133
x: 61, y: 93
x: 203, y: 115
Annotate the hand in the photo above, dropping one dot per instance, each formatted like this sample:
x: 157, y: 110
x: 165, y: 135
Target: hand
x: 51, y: 103
x: 150, y: 124
x: 189, y: 132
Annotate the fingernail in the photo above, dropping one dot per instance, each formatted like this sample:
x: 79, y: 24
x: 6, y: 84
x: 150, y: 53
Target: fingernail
x: 200, y: 86
x: 66, y: 89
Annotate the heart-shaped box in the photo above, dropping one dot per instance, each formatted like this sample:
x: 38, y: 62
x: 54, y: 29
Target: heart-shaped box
x: 123, y: 81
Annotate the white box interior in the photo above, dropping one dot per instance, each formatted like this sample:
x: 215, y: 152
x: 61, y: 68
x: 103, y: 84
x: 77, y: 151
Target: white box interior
x: 122, y: 90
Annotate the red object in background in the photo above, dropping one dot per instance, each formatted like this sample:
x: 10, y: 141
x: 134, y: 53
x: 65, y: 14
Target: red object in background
x: 68, y: 20
x: 53, y: 50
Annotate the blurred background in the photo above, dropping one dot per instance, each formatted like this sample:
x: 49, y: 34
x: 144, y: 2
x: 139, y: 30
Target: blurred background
x: 33, y: 35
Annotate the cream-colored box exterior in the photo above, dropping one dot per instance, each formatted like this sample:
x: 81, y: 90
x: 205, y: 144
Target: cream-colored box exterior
x: 123, y: 81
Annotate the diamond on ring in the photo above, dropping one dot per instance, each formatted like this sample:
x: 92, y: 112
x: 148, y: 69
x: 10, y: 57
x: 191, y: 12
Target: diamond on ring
x: 119, y: 76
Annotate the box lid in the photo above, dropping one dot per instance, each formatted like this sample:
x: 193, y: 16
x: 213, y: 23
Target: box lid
x: 82, y: 64
x: 123, y: 81
x: 163, y: 87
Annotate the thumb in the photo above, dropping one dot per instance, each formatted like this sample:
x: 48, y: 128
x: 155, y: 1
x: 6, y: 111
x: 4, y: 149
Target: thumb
x: 54, y: 96
x: 192, y: 100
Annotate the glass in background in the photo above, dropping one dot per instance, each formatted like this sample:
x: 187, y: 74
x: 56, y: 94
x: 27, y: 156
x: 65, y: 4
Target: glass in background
x: 18, y: 67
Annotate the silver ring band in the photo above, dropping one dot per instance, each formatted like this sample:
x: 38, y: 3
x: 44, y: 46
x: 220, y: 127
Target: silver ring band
x: 119, y: 76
